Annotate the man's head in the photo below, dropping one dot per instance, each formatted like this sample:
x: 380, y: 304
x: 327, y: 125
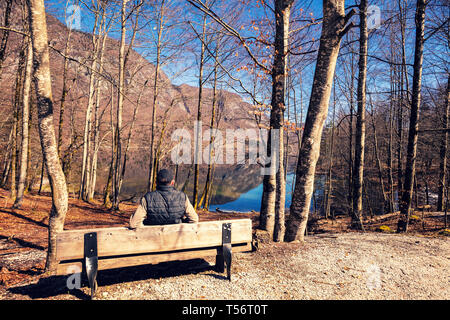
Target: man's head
x: 164, y: 178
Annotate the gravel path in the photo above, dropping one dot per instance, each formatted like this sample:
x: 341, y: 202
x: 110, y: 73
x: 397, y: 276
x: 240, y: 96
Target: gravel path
x: 332, y: 266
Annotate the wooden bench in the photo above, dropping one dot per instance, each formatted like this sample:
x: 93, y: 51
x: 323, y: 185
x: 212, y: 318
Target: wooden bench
x: 90, y: 250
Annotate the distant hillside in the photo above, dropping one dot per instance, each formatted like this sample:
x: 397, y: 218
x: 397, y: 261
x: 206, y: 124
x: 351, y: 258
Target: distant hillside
x: 139, y: 70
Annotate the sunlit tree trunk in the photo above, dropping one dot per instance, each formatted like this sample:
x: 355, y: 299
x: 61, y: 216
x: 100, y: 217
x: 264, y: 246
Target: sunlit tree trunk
x: 43, y: 84
x: 333, y: 27
x: 85, y: 165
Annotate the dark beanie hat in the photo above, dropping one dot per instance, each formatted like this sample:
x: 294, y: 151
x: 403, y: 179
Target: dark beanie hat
x: 164, y: 177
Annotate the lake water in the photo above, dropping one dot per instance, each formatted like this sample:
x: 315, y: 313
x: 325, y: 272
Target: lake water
x: 251, y: 200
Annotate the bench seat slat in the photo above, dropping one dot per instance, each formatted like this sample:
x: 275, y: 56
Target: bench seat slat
x: 149, y: 239
x: 127, y: 261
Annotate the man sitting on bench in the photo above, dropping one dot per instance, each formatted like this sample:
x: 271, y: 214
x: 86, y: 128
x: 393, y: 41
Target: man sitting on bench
x: 165, y: 205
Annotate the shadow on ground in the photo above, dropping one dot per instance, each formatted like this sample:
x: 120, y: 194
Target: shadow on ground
x: 51, y: 287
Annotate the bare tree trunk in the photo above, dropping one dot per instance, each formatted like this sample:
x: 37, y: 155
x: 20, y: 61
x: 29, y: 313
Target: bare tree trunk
x: 379, y: 167
x: 197, y: 155
x: 25, y: 118
x: 279, y: 75
x: 209, y: 178
x: 96, y: 147
x: 41, y: 179
x: 402, y: 99
x: 360, y: 120
x: 63, y: 94
x: 160, y: 27
x: 274, y: 187
x: 85, y: 165
x: 330, y: 166
x: 405, y: 204
x: 118, y: 157
x: 18, y: 96
x: 350, y: 141
x: 7, y: 160
x: 127, y: 145
x: 29, y: 176
x: 4, y: 41
x: 333, y: 27
x: 443, y: 151
x: 14, y: 153
x: 109, y: 183
x: 42, y: 79
x: 391, y: 136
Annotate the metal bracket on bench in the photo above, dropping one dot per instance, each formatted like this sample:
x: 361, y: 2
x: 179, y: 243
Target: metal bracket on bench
x: 226, y: 247
x: 91, y: 260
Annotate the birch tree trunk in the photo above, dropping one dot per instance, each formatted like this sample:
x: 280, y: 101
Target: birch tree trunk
x: 333, y: 27
x: 405, y: 204
x: 25, y: 118
x: 85, y: 166
x: 43, y: 85
x: 358, y: 172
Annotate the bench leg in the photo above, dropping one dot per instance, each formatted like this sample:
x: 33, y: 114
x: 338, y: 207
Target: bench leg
x: 220, y: 266
x: 91, y: 260
x: 227, y: 258
x: 91, y: 271
x: 224, y: 253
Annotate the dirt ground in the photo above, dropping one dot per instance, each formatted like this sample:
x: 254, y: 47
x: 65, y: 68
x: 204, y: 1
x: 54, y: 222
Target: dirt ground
x: 23, y: 244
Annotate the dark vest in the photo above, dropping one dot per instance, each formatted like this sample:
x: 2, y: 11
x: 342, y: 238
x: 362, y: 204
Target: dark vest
x: 165, y: 205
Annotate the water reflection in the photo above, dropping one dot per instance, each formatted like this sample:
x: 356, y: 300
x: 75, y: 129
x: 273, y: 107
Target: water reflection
x: 251, y: 200
x: 239, y: 188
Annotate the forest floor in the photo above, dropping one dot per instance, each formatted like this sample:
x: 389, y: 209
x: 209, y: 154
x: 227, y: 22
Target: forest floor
x: 334, y: 262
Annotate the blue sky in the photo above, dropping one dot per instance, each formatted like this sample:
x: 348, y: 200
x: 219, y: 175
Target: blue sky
x: 376, y: 69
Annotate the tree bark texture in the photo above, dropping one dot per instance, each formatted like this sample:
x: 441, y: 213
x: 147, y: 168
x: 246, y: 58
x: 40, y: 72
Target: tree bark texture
x: 333, y: 25
x: 25, y: 127
x: 42, y: 81
x: 405, y: 204
x: 443, y: 151
x: 274, y: 186
x: 360, y: 134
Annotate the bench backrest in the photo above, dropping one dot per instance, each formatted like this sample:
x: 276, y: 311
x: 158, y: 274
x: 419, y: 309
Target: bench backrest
x: 121, y: 241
